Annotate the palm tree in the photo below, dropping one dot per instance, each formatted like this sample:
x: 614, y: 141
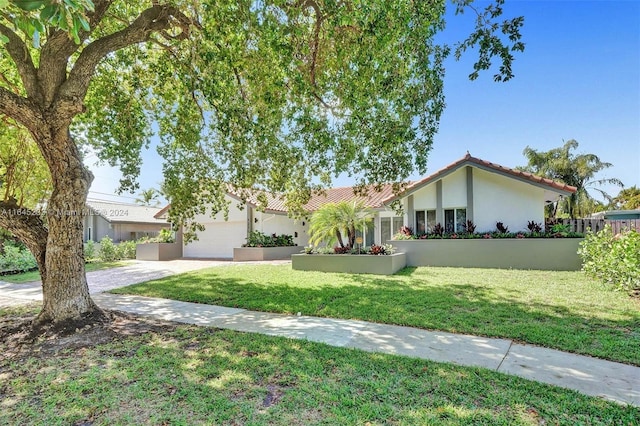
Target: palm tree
x: 334, y: 221
x: 148, y: 197
x: 576, y: 170
x: 627, y: 199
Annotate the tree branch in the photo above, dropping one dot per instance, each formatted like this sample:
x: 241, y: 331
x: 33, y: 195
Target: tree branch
x: 56, y: 52
x: 20, y: 55
x: 22, y: 110
x: 155, y: 19
x: 28, y: 227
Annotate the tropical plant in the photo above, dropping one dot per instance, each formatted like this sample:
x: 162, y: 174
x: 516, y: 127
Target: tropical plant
x: 470, y: 227
x: 502, y: 228
x: 627, y: 199
x: 577, y: 170
x: 148, y: 197
x: 534, y: 227
x: 334, y: 222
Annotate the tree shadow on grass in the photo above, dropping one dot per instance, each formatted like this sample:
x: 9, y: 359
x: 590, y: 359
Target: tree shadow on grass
x: 405, y: 300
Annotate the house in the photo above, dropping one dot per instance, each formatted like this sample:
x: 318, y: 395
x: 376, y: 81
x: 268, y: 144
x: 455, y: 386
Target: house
x: 121, y: 221
x: 468, y: 189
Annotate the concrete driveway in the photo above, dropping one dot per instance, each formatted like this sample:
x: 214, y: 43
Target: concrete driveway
x: 106, y: 279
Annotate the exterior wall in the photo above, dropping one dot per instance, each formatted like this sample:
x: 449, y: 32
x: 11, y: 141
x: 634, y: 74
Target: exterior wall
x: 158, y: 251
x: 270, y: 223
x: 529, y: 253
x: 425, y: 198
x: 354, y: 264
x: 100, y: 228
x: 246, y: 254
x: 499, y: 198
x: 454, y: 189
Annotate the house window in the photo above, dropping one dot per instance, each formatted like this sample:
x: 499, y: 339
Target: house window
x: 455, y: 220
x: 425, y: 221
x: 368, y: 237
x: 389, y: 226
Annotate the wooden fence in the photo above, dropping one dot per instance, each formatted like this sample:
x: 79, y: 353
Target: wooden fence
x: 581, y: 225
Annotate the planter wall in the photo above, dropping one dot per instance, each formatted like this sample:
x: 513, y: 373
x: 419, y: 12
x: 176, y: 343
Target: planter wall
x: 351, y: 263
x: 158, y: 251
x: 245, y: 254
x: 552, y: 254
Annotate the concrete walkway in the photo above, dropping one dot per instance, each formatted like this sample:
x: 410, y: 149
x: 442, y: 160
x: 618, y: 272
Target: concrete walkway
x: 591, y: 376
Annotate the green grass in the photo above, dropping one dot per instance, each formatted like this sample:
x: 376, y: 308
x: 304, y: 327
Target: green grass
x: 561, y: 310
x: 31, y: 276
x: 199, y: 375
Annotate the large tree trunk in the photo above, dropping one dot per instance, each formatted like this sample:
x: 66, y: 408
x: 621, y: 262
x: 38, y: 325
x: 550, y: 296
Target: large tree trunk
x: 64, y: 287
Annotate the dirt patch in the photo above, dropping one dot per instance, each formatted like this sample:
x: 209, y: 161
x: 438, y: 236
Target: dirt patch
x: 20, y: 339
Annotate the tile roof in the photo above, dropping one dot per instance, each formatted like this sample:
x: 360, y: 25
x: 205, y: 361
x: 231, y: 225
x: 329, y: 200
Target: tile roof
x: 126, y: 213
x: 487, y: 165
x: 373, y: 199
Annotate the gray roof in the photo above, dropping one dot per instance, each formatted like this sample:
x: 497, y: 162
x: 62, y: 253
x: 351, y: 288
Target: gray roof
x: 125, y: 213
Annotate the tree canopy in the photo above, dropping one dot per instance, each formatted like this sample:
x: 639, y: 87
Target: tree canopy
x: 578, y: 170
x: 627, y: 199
x: 275, y: 96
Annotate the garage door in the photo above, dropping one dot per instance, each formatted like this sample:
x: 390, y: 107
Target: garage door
x: 217, y: 240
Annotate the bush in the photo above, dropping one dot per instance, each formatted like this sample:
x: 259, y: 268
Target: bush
x: 108, y: 250
x: 126, y: 250
x: 89, y: 251
x: 258, y: 239
x: 614, y: 259
x: 16, y: 258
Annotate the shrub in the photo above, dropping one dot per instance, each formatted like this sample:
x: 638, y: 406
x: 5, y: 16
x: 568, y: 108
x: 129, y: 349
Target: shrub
x: 165, y: 236
x: 16, y: 258
x: 376, y: 250
x: 614, y: 259
x: 259, y: 239
x: 126, y: 250
x: 89, y: 251
x: 342, y: 250
x: 470, y: 227
x: 438, y: 230
x: 108, y: 250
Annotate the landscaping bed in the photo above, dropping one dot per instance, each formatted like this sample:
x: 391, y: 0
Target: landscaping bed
x: 244, y: 254
x: 350, y: 263
x: 551, y: 254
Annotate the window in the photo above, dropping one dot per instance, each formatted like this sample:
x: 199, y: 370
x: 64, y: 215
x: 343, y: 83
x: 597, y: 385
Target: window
x: 368, y: 237
x: 389, y: 226
x: 425, y: 221
x: 455, y: 220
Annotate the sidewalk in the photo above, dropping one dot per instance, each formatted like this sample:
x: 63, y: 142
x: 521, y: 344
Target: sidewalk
x: 591, y: 376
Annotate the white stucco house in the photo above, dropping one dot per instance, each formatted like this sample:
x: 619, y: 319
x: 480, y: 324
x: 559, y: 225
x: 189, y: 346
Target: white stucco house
x: 121, y: 221
x: 468, y: 189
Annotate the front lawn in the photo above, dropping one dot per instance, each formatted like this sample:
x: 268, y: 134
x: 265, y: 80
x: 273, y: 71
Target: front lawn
x: 188, y: 375
x: 26, y: 277
x: 561, y: 310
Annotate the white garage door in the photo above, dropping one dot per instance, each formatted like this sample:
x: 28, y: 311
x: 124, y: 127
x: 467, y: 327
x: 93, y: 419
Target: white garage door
x: 217, y: 240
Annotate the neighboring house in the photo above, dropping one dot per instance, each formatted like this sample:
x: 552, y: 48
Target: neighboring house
x: 121, y: 222
x: 468, y: 189
x: 617, y: 215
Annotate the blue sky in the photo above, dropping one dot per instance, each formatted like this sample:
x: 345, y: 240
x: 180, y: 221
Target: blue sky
x: 579, y: 78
